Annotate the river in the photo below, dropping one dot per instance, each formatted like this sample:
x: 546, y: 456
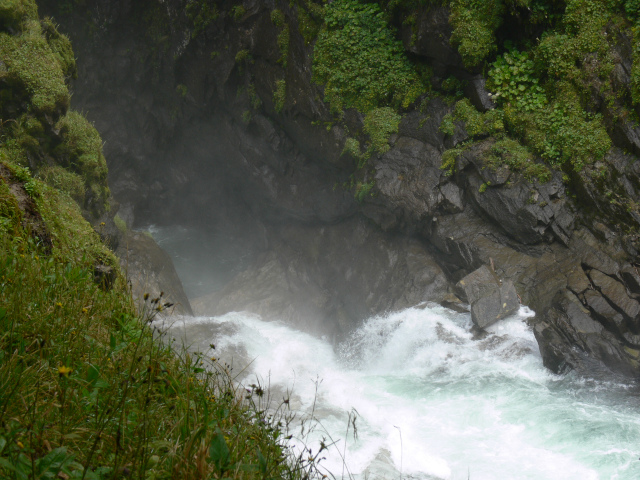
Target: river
x: 430, y: 400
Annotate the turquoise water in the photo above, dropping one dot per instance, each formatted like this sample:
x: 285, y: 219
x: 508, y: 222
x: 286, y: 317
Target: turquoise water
x: 432, y: 402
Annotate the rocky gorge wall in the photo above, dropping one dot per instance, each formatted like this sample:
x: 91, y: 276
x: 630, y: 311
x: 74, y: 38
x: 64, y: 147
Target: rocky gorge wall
x: 208, y: 119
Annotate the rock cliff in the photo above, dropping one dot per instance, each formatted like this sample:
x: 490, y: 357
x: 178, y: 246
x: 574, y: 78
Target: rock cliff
x: 211, y: 115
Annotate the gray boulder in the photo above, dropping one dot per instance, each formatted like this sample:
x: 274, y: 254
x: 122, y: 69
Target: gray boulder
x: 490, y: 299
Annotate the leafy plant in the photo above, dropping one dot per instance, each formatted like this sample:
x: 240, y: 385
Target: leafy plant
x: 474, y: 25
x: 477, y: 124
x: 363, y: 189
x: 512, y: 79
x: 182, y: 90
x: 308, y: 24
x: 379, y: 124
x: 359, y: 61
x: 352, y: 148
x: 243, y: 55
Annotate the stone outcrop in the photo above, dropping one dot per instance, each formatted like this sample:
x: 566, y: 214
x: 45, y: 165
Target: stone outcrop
x: 150, y: 272
x: 184, y: 144
x: 325, y: 279
x: 489, y: 297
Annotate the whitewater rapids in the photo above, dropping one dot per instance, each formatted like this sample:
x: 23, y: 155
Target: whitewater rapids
x: 432, y: 401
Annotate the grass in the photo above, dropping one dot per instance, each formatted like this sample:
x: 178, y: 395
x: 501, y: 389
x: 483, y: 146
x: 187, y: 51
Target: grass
x: 89, y: 386
x: 81, y: 149
x: 88, y: 389
x: 31, y: 65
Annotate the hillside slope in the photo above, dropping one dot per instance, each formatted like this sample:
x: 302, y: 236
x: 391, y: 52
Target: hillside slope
x: 88, y: 388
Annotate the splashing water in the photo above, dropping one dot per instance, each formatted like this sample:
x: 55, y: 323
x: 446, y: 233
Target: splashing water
x: 433, y: 402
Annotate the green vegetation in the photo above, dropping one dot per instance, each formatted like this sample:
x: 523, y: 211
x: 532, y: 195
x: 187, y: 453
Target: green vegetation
x: 359, y: 61
x: 238, y: 12
x: 379, y: 124
x: 449, y: 158
x: 81, y: 152
x: 243, y: 55
x: 474, y: 25
x: 550, y: 78
x: 86, y: 390
x: 361, y: 65
x: 69, y: 182
x: 88, y: 387
x: 280, y: 95
x: 363, y: 189
x: 352, y: 147
x: 279, y: 20
x: 309, y: 14
x: 182, y: 90
x: 476, y: 124
x: 201, y: 13
x: 61, y: 47
x: 34, y: 100
x: 254, y: 98
x: 32, y: 66
x: 120, y: 223
x: 14, y: 12
x: 512, y: 79
x: 510, y: 153
x: 562, y: 133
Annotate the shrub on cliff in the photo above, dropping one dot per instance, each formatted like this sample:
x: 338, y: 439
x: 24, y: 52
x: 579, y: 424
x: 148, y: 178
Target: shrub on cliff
x: 359, y: 61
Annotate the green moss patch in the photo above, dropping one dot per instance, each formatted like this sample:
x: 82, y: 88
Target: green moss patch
x: 510, y: 153
x: 13, y: 13
x: 379, y: 124
x: 82, y: 150
x: 64, y: 180
x: 61, y: 48
x: 31, y: 65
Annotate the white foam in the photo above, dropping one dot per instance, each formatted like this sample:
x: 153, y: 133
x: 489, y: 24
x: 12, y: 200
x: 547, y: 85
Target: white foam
x: 433, y: 402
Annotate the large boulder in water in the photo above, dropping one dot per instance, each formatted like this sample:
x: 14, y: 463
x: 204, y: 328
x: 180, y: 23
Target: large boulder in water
x: 490, y: 299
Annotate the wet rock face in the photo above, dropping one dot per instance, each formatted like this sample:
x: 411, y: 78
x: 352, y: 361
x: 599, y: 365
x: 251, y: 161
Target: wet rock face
x: 429, y: 38
x: 150, y: 272
x: 489, y: 297
x: 186, y: 144
x: 326, y: 280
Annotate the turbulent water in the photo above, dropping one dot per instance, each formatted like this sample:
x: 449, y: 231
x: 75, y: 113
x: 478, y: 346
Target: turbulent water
x: 432, y: 401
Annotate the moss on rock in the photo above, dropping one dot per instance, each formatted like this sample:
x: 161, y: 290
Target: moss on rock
x: 31, y: 65
x: 13, y: 13
x: 65, y: 181
x: 61, y: 48
x: 81, y: 150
